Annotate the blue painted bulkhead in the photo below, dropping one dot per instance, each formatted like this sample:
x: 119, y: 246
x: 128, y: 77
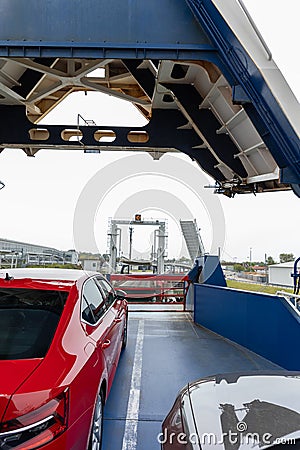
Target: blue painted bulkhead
x: 207, y: 269
x: 212, y: 272
x: 266, y: 324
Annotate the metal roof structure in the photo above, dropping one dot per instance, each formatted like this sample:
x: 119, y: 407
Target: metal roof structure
x: 199, y: 71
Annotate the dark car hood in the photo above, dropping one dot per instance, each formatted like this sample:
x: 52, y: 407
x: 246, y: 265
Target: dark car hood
x: 13, y: 375
x: 264, y: 406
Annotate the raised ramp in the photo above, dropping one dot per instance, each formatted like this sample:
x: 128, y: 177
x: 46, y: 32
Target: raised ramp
x: 192, y: 238
x: 165, y: 351
x: 258, y: 83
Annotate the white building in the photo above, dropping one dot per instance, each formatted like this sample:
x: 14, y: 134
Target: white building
x: 91, y: 265
x: 95, y: 265
x: 14, y: 253
x: 280, y: 274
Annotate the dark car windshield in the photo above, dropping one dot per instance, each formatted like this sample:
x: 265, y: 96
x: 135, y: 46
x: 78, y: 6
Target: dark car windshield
x: 28, y: 320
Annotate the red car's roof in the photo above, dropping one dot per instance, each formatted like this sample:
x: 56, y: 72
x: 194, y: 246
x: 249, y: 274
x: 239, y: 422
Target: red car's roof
x: 40, y: 274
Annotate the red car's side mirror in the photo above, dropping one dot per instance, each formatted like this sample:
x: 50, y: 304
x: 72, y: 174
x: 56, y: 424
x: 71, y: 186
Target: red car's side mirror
x: 120, y: 295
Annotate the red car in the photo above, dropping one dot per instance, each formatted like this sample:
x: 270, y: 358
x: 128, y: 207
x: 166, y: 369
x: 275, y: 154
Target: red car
x: 61, y: 335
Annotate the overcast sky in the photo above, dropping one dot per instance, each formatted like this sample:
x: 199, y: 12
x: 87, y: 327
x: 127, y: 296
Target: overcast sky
x: 41, y: 193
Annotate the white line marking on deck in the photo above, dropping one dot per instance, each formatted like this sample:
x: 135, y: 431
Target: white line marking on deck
x: 132, y: 416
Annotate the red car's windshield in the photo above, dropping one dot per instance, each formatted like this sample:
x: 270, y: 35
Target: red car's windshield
x: 28, y: 320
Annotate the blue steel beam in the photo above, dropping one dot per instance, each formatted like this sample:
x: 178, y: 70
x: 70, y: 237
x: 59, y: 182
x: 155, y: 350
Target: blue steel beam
x: 163, y: 132
x: 100, y: 29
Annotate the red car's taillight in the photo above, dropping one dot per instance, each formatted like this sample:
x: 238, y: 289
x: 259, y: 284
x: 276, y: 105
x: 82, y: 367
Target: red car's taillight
x: 36, y: 428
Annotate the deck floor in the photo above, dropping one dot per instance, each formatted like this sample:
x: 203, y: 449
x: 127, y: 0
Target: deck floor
x: 165, y: 351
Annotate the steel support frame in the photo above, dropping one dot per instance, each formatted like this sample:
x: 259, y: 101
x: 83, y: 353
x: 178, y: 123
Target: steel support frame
x: 162, y: 132
x: 216, y: 43
x: 161, y: 246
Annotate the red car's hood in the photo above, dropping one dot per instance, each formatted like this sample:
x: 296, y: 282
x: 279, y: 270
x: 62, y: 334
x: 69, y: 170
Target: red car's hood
x: 13, y: 374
